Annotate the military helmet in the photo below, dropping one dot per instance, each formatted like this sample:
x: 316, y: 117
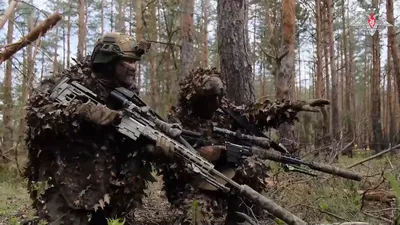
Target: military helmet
x: 117, y: 45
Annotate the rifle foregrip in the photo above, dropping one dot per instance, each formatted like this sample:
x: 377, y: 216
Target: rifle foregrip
x: 271, y: 206
x: 336, y: 171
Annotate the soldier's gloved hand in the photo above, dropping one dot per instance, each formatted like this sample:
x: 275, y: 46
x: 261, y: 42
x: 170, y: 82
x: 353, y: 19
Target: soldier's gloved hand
x: 165, y: 146
x: 100, y: 115
x: 175, y: 130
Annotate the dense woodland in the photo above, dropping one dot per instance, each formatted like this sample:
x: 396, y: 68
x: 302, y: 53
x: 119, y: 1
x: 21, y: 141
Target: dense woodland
x: 276, y: 49
x: 359, y: 74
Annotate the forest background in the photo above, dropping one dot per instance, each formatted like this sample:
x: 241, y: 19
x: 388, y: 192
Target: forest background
x: 287, y: 49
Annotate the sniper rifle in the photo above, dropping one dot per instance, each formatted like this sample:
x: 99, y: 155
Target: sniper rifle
x: 140, y: 121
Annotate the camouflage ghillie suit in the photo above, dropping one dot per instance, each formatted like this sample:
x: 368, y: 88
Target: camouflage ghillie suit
x: 201, y: 106
x: 87, y: 165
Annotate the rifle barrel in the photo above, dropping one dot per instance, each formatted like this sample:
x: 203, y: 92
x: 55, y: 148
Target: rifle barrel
x: 313, y: 165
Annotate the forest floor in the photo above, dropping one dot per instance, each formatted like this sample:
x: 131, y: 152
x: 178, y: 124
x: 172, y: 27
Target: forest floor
x: 322, y: 199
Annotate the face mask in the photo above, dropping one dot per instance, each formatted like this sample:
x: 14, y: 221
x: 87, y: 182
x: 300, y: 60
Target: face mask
x: 126, y: 73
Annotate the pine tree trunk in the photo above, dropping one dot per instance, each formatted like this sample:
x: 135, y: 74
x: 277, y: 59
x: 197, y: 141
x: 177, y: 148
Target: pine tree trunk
x: 81, y: 29
x: 325, y: 38
x: 102, y: 16
x: 375, y: 92
x: 347, y: 75
x: 130, y: 16
x: 153, y: 37
x: 351, y: 68
x: 69, y: 33
x: 85, y: 30
x: 187, y: 35
x: 63, y: 46
x: 7, y: 94
x: 8, y: 12
x: 286, y: 70
x: 233, y: 50
x: 366, y: 109
x: 393, y: 44
x: 391, y: 117
x: 334, y: 78
x: 112, y: 15
x: 205, y: 32
x: 26, y: 84
x: 139, y: 35
x: 121, y: 18
x: 55, y: 53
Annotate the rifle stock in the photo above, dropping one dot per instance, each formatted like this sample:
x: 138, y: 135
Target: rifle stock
x: 140, y: 121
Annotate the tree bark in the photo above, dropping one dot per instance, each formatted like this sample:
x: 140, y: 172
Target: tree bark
x: 102, y: 16
x: 39, y: 30
x: 326, y: 114
x: 187, y: 35
x: 55, y: 53
x: 391, y: 116
x: 205, y: 32
x: 393, y: 44
x: 153, y: 37
x: 233, y: 50
x: 286, y: 70
x: 139, y: 35
x: 347, y: 110
x: 69, y: 33
x: 7, y: 14
x: 121, y: 16
x: 63, y: 46
x: 112, y: 15
x: 7, y: 94
x: 81, y: 29
x: 320, y: 90
x: 375, y: 92
x: 334, y: 78
x: 26, y: 84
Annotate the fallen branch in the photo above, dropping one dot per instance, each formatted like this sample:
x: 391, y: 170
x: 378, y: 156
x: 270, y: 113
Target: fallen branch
x: 374, y: 156
x: 7, y: 13
x: 377, y: 195
x: 347, y: 223
x: 378, y: 217
x: 38, y: 31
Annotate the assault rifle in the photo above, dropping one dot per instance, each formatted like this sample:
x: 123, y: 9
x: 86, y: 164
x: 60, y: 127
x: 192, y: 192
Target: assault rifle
x: 140, y: 121
x: 239, y: 145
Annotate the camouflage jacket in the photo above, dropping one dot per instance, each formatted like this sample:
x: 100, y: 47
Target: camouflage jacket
x: 202, y: 105
x: 86, y: 161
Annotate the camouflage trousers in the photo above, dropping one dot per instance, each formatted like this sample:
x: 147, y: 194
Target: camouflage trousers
x: 53, y: 208
x: 209, y: 209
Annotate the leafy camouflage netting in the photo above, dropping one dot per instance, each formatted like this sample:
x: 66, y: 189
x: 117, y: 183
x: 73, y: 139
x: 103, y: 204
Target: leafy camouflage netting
x: 86, y: 164
x: 268, y: 114
x: 197, y: 111
x: 265, y: 113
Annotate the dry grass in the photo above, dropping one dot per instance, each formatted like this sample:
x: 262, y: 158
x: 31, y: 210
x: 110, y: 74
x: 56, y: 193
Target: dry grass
x: 327, y: 199
x: 322, y: 199
x: 14, y: 199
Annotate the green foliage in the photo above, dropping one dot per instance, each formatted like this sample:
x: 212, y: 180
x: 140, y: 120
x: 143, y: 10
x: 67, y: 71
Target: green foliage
x: 14, y: 199
x: 115, y: 222
x: 394, y: 184
x: 279, y: 221
x: 194, y: 209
